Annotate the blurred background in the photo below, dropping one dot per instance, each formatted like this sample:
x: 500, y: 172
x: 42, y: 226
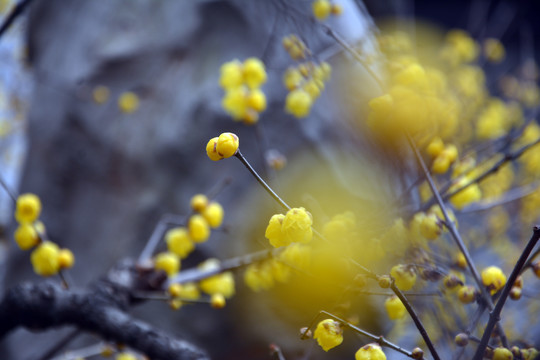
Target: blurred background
x: 106, y: 174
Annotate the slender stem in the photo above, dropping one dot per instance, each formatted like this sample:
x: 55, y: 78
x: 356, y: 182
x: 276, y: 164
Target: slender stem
x: 495, y: 314
x: 157, y: 234
x: 261, y: 181
x: 13, y: 15
x: 351, y: 51
x: 453, y: 231
x: 416, y: 320
x: 11, y: 194
x: 379, y: 339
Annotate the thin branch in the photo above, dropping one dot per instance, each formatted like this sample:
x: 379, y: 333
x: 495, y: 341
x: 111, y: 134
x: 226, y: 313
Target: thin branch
x: 261, y: 181
x: 157, y: 234
x: 13, y: 15
x: 507, y: 158
x: 416, y: 320
x: 495, y: 315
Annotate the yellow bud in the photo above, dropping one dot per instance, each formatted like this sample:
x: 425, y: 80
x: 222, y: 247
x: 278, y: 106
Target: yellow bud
x: 370, y: 352
x: 28, y: 208
x: 199, y: 202
x: 227, y: 144
x: 168, y: 262
x: 329, y: 334
x: 128, y: 102
x: 66, y: 259
x: 26, y: 236
x: 213, y: 214
x: 394, y: 308
x: 199, y: 230
x: 44, y: 259
x: 321, y: 9
x: 211, y: 150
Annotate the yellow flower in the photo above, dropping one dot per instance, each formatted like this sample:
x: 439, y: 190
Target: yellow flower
x: 28, y: 208
x: 44, y: 259
x: 211, y: 150
x: 297, y: 255
x: 493, y: 278
x: 501, y: 353
x: 66, y: 259
x: 257, y: 100
x: 128, y: 102
x: 179, y: 242
x: 430, y: 227
x: 26, y: 236
x: 125, y: 356
x: 218, y: 284
x: 273, y: 231
x: 292, y: 78
x: 168, y: 262
x: 235, y: 102
x: 468, y: 195
x: 296, y: 225
x: 231, y: 75
x: 404, y: 277
x: 321, y: 9
x: 227, y: 144
x: 394, y: 308
x: 199, y: 231
x: 213, y: 214
x: 298, y: 103
x: 370, y: 352
x: 254, y: 72
x: 198, y: 202
x: 467, y: 294
x: 494, y: 50
x: 217, y: 301
x: 259, y: 277
x: 329, y: 334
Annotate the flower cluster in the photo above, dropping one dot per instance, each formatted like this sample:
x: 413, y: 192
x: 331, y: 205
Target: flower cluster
x: 243, y: 100
x: 324, y: 8
x: 181, y: 240
x: 305, y: 83
x: 47, y: 258
x: 295, y: 226
x: 223, y: 146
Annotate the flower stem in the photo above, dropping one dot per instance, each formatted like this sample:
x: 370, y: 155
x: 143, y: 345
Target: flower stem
x: 261, y: 181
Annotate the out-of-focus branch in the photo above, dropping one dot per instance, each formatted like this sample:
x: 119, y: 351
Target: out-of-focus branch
x: 13, y: 15
x: 99, y: 309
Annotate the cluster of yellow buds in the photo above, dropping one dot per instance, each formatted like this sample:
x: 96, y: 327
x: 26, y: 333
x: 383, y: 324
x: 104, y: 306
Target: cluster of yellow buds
x: 295, y: 226
x: 324, y: 8
x: 181, y: 240
x: 243, y: 100
x: 305, y: 83
x: 263, y: 275
x: 219, y: 287
x: 47, y: 258
x: 296, y: 48
x: 183, y: 292
x: 223, y: 146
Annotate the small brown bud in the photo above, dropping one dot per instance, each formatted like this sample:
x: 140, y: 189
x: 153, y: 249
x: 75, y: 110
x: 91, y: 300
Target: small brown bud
x: 515, y: 293
x: 305, y: 333
x: 385, y: 281
x: 417, y: 353
x: 461, y: 339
